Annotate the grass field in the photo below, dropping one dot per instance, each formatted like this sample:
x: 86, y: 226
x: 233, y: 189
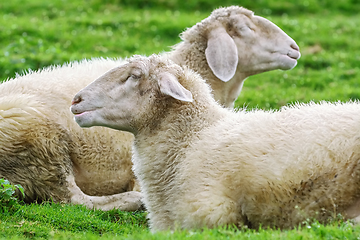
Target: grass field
x: 38, y: 33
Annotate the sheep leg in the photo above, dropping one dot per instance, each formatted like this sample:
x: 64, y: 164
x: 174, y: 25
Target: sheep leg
x: 217, y: 212
x: 127, y: 201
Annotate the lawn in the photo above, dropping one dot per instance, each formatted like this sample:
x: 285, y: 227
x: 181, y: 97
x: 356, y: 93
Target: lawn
x: 38, y: 33
x: 60, y: 221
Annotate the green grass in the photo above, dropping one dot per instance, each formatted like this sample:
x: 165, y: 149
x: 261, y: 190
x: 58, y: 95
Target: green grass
x: 59, y: 221
x: 49, y: 220
x: 38, y: 33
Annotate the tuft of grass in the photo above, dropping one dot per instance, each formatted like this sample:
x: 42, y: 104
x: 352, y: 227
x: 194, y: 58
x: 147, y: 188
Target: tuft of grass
x: 8, y: 202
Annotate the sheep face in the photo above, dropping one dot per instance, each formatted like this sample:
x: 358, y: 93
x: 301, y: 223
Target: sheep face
x: 126, y: 96
x: 262, y: 45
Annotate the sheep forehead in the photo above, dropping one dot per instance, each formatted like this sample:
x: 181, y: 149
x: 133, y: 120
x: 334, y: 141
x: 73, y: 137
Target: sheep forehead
x: 139, y: 61
x: 154, y: 64
x: 151, y: 69
x: 230, y: 17
x: 233, y: 10
x: 222, y: 15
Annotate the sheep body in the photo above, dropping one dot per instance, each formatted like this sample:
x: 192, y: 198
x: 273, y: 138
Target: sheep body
x: 201, y: 165
x: 275, y: 169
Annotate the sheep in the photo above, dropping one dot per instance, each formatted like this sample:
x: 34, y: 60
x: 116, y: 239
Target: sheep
x: 201, y: 165
x: 231, y: 45
x: 46, y: 152
x: 49, y: 155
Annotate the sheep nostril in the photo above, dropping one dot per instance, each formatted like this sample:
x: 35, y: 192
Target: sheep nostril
x: 76, y: 100
x: 295, y: 47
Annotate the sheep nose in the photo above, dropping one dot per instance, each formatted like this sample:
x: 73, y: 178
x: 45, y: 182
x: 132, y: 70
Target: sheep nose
x: 76, y: 100
x: 295, y: 46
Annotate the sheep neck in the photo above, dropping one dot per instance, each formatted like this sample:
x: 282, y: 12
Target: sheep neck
x: 158, y: 151
x: 177, y: 124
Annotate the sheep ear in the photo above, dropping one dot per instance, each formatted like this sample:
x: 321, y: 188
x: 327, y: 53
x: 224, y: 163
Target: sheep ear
x: 221, y: 54
x: 169, y: 85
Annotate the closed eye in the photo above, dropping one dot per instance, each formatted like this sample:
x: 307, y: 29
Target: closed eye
x: 127, y: 78
x: 132, y: 76
x: 245, y: 28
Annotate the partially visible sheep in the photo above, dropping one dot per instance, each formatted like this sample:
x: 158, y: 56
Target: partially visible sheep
x: 202, y: 165
x: 45, y: 151
x: 231, y: 45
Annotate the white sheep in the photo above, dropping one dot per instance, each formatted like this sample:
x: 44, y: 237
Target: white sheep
x: 45, y: 151
x: 199, y: 164
x: 231, y: 45
x: 51, y: 156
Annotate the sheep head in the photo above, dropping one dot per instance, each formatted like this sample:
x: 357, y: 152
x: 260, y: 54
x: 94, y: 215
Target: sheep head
x: 238, y: 40
x: 127, y: 96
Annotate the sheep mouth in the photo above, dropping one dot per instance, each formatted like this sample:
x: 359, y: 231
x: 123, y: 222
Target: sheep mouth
x: 293, y: 54
x: 78, y: 112
x: 84, y: 119
x: 288, y: 60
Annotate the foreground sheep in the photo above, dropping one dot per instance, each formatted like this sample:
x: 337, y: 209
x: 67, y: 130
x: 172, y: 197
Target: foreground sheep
x: 45, y: 151
x: 201, y: 165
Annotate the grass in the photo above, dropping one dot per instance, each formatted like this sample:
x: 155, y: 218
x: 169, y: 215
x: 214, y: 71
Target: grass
x: 60, y: 221
x: 49, y: 220
x: 38, y: 33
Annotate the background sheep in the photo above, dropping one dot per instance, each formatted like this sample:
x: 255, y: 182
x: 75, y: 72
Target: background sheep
x: 45, y: 151
x: 231, y: 45
x: 202, y: 165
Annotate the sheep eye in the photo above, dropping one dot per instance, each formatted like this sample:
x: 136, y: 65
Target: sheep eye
x: 135, y: 73
x: 134, y: 76
x: 244, y: 28
x: 127, y: 78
